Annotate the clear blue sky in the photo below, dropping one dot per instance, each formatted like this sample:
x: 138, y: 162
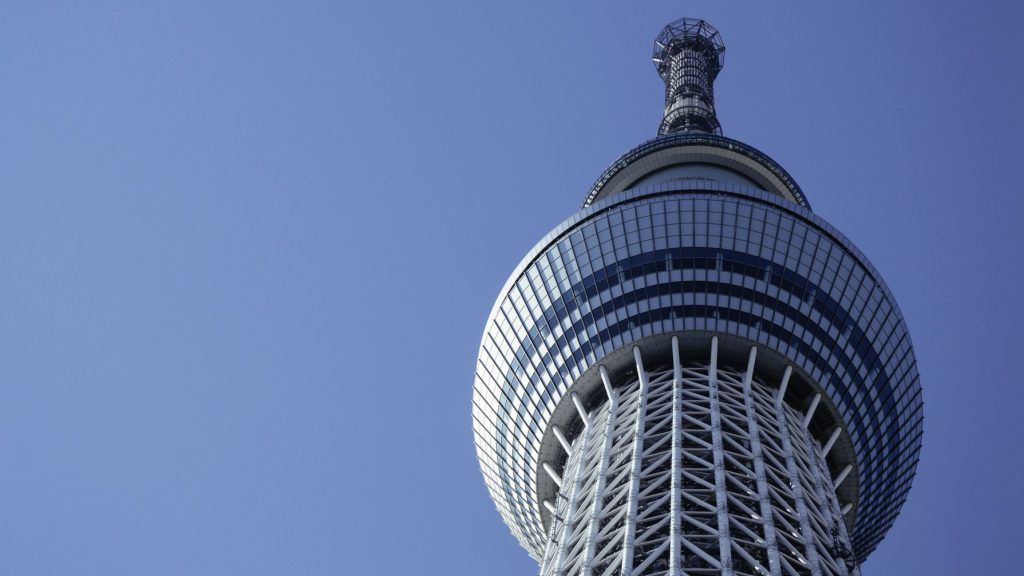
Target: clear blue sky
x: 247, y: 250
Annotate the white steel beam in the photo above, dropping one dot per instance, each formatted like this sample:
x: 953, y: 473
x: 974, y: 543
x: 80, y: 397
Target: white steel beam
x: 577, y: 479
x: 807, y: 535
x: 764, y: 496
x: 721, y: 496
x: 842, y: 476
x: 554, y: 475
x: 634, y: 476
x: 785, y: 383
x: 579, y: 408
x: 827, y: 504
x: 675, y: 537
x: 561, y: 439
x: 602, y: 475
x: 607, y: 382
x: 811, y: 409
x: 831, y: 441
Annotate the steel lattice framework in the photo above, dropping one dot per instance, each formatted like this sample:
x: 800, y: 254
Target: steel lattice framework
x: 695, y: 254
x: 695, y: 468
x: 688, y: 57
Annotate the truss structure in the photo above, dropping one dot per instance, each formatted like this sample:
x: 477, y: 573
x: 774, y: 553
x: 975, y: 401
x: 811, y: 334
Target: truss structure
x: 688, y: 57
x: 695, y: 468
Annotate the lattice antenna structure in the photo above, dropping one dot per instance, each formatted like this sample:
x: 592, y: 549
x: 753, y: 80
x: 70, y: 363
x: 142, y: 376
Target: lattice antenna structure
x: 688, y: 55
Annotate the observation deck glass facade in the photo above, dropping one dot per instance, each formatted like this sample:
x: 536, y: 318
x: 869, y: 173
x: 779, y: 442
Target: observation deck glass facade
x: 697, y: 256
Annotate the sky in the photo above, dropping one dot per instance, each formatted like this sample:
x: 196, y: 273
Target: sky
x: 247, y: 250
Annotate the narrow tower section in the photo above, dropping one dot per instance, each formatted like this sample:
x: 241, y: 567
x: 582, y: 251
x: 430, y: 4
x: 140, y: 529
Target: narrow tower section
x: 688, y: 56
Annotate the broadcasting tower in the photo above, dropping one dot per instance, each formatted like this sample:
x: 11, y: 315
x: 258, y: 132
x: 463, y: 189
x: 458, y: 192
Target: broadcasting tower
x: 695, y: 374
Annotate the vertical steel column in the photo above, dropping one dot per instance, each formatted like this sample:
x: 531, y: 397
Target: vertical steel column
x: 767, y: 519
x: 675, y: 561
x: 602, y: 473
x: 841, y: 522
x: 574, y: 493
x: 827, y: 504
x: 634, y: 474
x: 721, y: 496
x: 794, y: 477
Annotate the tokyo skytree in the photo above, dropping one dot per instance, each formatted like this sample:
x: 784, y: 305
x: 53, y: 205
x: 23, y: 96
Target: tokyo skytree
x: 695, y: 374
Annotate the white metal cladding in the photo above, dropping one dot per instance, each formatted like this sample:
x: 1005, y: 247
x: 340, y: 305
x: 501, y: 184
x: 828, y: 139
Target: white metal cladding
x: 697, y: 256
x: 696, y: 468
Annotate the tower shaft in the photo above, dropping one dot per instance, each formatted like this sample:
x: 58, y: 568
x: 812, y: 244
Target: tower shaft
x: 695, y: 468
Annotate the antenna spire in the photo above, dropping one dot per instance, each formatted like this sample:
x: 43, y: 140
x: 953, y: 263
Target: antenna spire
x: 688, y: 57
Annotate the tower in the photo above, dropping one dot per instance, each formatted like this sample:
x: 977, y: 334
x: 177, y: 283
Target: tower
x: 695, y: 374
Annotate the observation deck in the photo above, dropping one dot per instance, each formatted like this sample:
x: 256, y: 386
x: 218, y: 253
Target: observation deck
x: 627, y: 329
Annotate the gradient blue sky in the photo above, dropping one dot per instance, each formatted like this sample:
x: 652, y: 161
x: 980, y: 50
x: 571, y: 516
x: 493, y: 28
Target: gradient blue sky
x: 248, y: 248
